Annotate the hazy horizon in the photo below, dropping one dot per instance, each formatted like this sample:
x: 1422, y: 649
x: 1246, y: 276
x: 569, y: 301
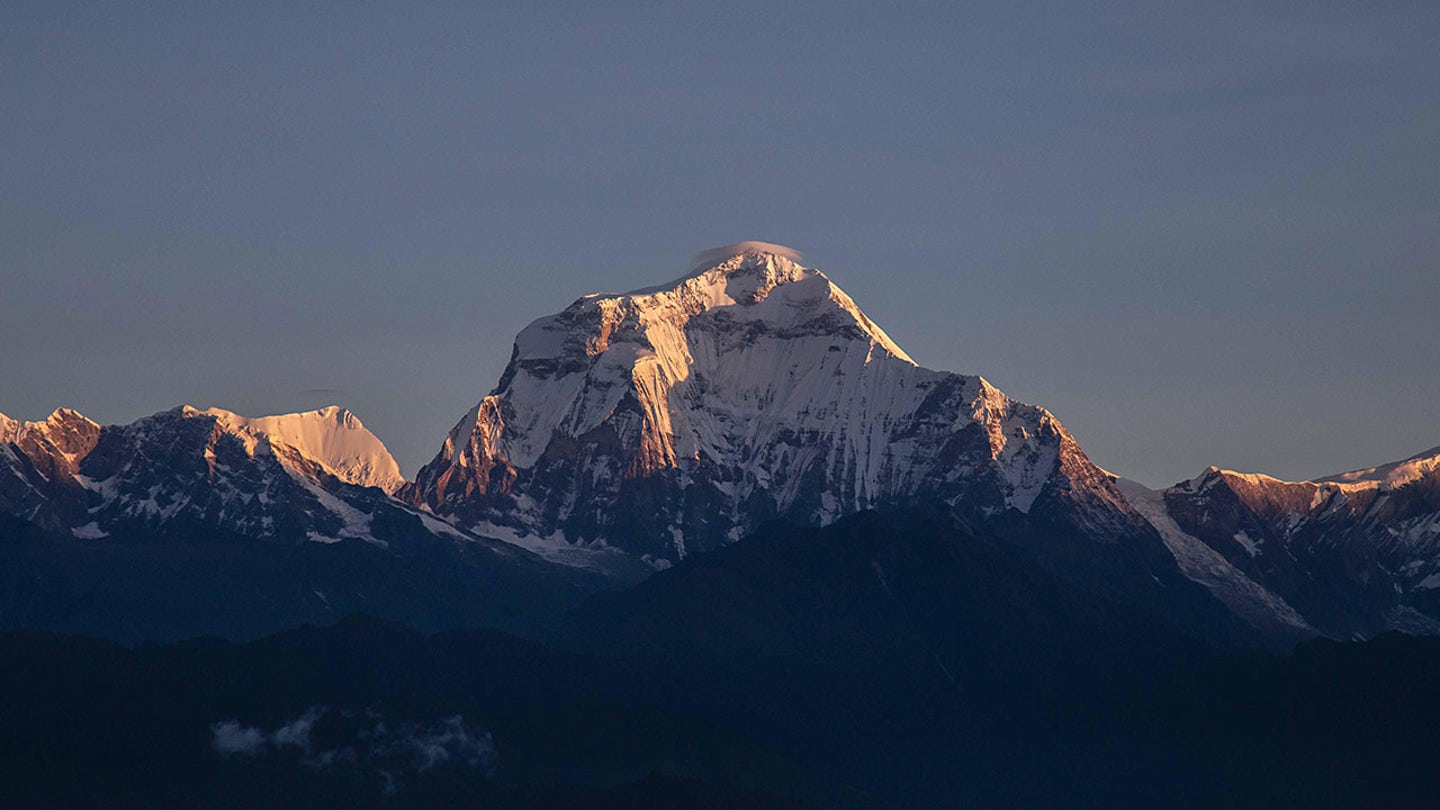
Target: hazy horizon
x: 1200, y: 235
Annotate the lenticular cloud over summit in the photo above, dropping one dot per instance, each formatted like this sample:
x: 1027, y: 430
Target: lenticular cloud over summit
x: 706, y: 259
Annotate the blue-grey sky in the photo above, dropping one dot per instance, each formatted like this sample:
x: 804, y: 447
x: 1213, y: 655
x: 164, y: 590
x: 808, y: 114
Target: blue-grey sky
x: 1199, y: 233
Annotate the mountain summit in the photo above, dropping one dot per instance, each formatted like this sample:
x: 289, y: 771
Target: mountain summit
x: 676, y: 418
x: 332, y: 437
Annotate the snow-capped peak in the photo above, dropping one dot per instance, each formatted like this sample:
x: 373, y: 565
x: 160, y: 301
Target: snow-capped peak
x: 315, y: 476
x: 1386, y: 476
x: 332, y: 437
x: 13, y: 430
x: 753, y: 283
x: 1392, y: 475
x: 1213, y: 474
x: 673, y: 418
x: 55, y: 445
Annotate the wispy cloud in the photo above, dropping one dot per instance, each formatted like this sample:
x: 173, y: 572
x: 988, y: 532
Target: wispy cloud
x: 229, y: 737
x: 322, y: 738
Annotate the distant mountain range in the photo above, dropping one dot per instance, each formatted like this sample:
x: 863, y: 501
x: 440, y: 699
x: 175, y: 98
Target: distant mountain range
x: 718, y: 543
x: 1352, y: 555
x: 630, y: 433
x: 196, y: 522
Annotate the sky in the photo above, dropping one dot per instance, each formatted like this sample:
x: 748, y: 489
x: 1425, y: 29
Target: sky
x: 1198, y: 233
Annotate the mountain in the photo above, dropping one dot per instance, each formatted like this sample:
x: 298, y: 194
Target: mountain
x: 910, y: 594
x: 936, y: 664
x: 632, y: 431
x: 755, y: 555
x: 190, y: 521
x: 39, y: 460
x: 276, y: 476
x: 1351, y: 555
x: 678, y: 418
x: 332, y: 437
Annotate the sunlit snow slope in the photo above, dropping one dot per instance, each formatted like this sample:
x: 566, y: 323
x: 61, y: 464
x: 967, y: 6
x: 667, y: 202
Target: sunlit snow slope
x: 676, y: 418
